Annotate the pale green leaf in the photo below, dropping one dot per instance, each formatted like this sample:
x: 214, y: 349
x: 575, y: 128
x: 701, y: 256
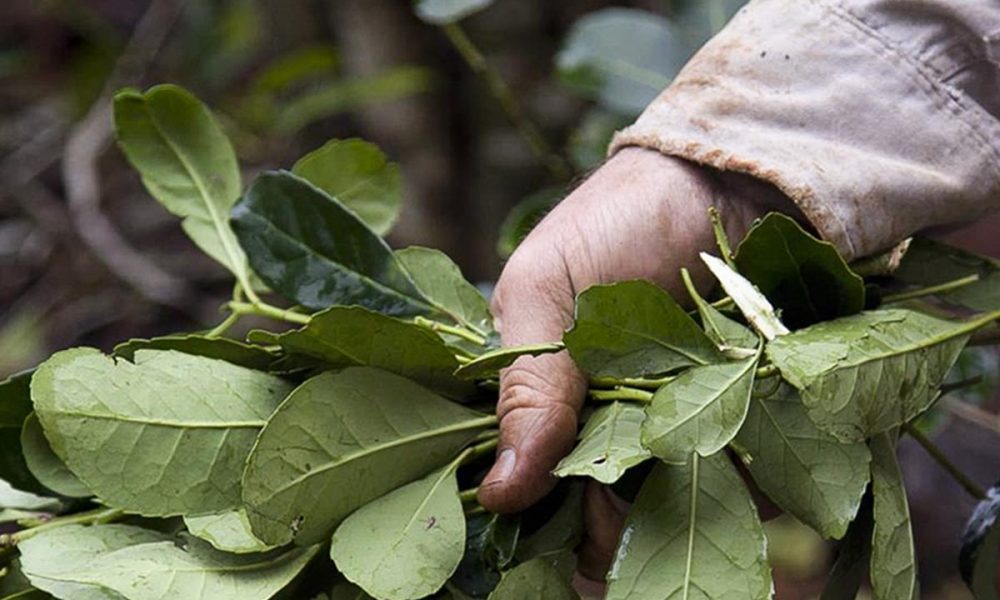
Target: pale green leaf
x: 754, y: 306
x: 699, y: 411
x: 443, y: 12
x: 45, y: 465
x: 186, y: 163
x: 348, y: 438
x: 868, y: 373
x: 807, y: 472
x: 51, y: 559
x: 633, y: 329
x: 11, y: 497
x: 894, y: 562
x: 351, y: 336
x: 722, y: 330
x: 693, y: 532
x: 441, y: 281
x: 164, y: 436
x: 489, y: 364
x: 536, y: 579
x: 159, y: 568
x: 228, y: 531
x: 609, y: 444
x: 358, y: 174
x: 406, y: 544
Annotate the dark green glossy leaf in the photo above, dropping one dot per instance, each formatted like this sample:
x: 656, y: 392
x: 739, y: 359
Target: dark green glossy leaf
x: 977, y: 560
x: 701, y: 410
x: 307, y: 246
x: 894, y: 562
x: 805, y: 471
x: 805, y: 278
x: 176, y: 427
x: 489, y: 364
x: 15, y: 406
x: 229, y: 350
x: 633, y: 329
x: 622, y: 57
x: 853, y: 556
x: 441, y: 282
x: 609, y: 444
x: 359, y: 175
x: 442, y: 12
x: 868, y: 373
x: 536, y: 579
x: 928, y: 263
x: 407, y: 543
x: 692, y: 532
x: 186, y: 163
x: 45, y: 465
x: 353, y: 336
x: 347, y: 437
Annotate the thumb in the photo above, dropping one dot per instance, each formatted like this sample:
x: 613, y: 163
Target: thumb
x: 540, y: 397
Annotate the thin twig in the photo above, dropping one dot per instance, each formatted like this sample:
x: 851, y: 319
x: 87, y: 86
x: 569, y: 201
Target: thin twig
x: 941, y: 288
x: 961, y: 478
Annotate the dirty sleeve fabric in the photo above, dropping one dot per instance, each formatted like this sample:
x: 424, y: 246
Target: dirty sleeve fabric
x: 879, y: 118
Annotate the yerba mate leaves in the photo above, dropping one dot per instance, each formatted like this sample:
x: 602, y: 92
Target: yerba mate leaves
x: 441, y: 282
x: 171, y: 430
x: 45, y: 465
x: 633, y: 329
x: 229, y: 350
x: 754, y: 306
x: 308, y: 247
x: 347, y: 438
x: 805, y: 278
x: 356, y: 173
x: 804, y: 470
x: 228, y: 531
x: 536, y: 579
x: 980, y: 547
x: 701, y: 410
x: 928, y: 263
x: 345, y: 336
x: 722, y: 330
x: 141, y: 565
x: 693, y: 532
x: 15, y: 406
x: 609, y: 444
x: 868, y: 373
x: 893, y: 570
x: 853, y: 556
x: 186, y: 163
x: 489, y: 364
x: 406, y: 544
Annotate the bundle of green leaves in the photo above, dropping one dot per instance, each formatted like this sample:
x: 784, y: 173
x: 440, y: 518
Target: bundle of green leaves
x: 339, y: 457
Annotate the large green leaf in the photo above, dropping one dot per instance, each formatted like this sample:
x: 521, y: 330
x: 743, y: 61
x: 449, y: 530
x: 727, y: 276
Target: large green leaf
x: 229, y: 350
x: 928, y: 263
x: 868, y: 373
x: 186, y: 163
x: 805, y: 278
x: 489, y: 364
x: 51, y: 559
x: 356, y: 173
x: 348, y: 438
x: 45, y: 465
x: 407, y: 543
x: 632, y: 329
x: 307, y: 246
x: 693, y: 532
x: 699, y: 411
x: 140, y: 565
x: 805, y: 471
x: 345, y: 336
x: 609, y: 444
x: 441, y: 281
x: 170, y: 432
x: 622, y: 57
x: 980, y: 547
x: 228, y: 531
x: 443, y: 12
x: 536, y: 579
x: 15, y: 406
x: 894, y: 562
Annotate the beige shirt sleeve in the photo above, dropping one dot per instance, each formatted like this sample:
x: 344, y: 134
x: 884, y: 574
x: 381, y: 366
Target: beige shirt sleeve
x: 879, y: 118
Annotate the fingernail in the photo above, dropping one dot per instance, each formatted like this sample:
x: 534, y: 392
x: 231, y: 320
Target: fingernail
x: 504, y: 466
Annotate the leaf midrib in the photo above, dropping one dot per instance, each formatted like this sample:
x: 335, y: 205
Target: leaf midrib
x: 149, y: 421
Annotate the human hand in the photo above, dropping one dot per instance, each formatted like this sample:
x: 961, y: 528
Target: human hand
x: 641, y: 215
